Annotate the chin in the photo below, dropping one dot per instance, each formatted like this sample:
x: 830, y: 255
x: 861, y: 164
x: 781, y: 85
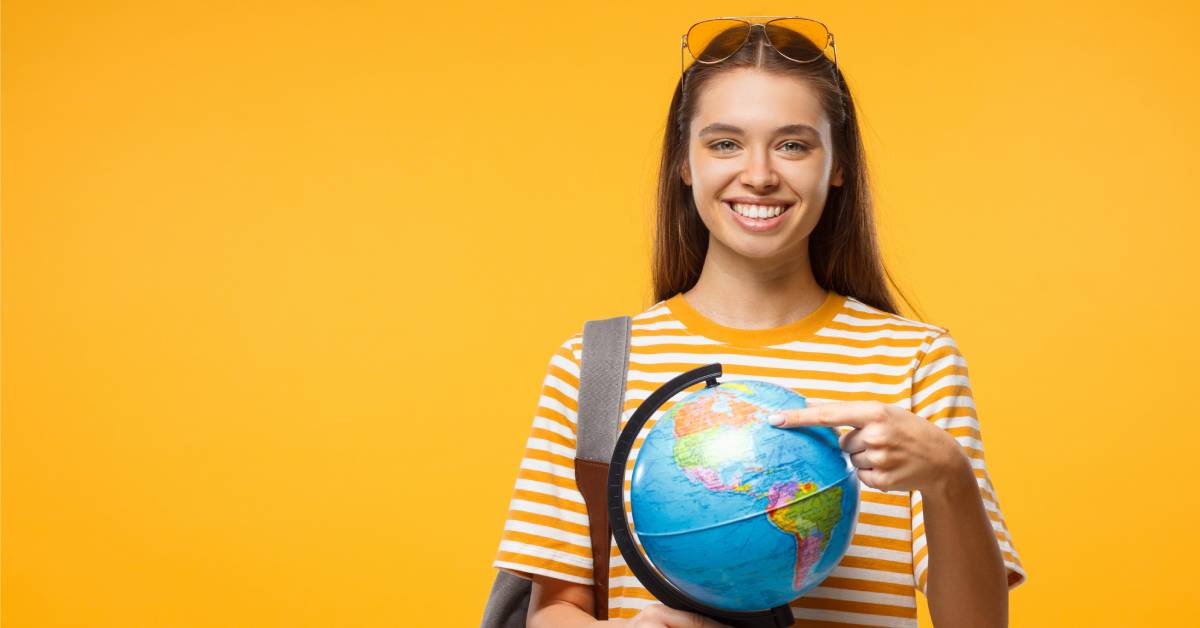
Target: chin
x: 759, y: 250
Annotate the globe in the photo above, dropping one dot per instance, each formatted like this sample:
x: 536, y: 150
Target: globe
x: 737, y: 513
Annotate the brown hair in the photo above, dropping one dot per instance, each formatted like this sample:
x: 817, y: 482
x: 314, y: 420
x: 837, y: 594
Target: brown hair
x: 843, y: 248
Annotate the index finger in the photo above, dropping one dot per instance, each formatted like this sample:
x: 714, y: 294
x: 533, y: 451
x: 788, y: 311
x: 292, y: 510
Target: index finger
x: 852, y: 413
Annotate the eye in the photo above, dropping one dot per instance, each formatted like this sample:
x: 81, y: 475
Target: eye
x: 802, y: 147
x: 718, y: 143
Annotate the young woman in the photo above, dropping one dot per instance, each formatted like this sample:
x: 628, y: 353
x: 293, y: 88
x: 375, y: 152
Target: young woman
x: 766, y: 261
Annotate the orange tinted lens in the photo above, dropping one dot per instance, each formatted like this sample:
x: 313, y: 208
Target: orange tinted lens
x: 714, y: 40
x: 798, y: 39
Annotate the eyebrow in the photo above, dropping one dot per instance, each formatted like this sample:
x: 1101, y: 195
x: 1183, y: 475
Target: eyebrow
x: 790, y: 129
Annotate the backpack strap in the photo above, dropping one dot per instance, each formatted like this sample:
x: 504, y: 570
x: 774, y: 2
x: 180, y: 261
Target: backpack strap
x: 507, y: 603
x: 602, y: 374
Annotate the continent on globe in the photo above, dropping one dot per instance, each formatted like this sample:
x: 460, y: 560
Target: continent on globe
x: 794, y: 508
x: 712, y: 439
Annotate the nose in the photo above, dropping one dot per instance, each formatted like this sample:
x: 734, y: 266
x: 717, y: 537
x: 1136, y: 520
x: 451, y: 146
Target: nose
x: 759, y: 173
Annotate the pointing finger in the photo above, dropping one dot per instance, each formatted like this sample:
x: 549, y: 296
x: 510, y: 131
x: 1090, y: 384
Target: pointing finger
x: 852, y: 413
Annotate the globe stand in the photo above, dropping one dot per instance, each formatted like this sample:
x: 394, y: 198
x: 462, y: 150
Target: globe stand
x: 661, y: 588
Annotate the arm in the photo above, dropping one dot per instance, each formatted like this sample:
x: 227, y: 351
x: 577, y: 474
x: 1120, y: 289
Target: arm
x: 896, y: 450
x: 967, y: 583
x: 554, y: 603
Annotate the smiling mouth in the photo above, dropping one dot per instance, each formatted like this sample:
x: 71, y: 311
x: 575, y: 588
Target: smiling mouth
x: 757, y: 212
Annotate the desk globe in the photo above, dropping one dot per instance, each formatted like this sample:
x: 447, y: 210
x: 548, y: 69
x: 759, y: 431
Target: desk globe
x: 735, y: 512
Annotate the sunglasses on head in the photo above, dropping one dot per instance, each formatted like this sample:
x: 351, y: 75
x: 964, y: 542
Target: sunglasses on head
x: 800, y: 39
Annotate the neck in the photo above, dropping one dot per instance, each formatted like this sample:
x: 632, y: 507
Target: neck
x: 744, y: 293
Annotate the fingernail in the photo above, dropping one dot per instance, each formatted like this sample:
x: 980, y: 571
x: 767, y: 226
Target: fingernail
x: 775, y: 419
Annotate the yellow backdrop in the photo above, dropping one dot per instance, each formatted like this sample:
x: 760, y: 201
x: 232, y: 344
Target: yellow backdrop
x: 280, y: 281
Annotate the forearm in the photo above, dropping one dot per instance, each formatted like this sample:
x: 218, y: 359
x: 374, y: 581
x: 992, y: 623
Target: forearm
x: 967, y: 584
x: 563, y: 614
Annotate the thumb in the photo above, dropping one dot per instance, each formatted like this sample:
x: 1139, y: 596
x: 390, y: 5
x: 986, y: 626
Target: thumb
x: 706, y: 622
x: 687, y: 619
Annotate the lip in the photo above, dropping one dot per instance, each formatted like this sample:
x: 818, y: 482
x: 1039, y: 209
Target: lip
x: 751, y: 200
x: 755, y: 225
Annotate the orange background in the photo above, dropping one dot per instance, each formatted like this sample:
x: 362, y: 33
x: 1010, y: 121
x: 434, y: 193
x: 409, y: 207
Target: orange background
x: 281, y: 279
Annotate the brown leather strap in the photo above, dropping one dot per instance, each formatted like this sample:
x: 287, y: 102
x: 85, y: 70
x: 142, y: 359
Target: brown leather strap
x: 591, y: 478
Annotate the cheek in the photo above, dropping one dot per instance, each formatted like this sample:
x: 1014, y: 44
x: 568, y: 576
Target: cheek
x: 805, y: 176
x: 713, y: 174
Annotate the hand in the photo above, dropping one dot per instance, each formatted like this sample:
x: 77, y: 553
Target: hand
x: 892, y: 449
x: 661, y: 616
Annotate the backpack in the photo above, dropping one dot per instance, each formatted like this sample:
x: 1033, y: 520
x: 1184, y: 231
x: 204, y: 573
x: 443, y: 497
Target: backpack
x: 602, y: 371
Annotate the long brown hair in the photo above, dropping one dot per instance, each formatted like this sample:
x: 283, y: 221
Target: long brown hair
x: 843, y: 247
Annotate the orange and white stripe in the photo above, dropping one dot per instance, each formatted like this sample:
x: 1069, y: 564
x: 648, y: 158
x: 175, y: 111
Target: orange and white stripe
x: 844, y: 351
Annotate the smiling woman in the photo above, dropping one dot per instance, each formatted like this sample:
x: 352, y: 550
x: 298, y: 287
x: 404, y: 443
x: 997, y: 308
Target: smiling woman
x: 788, y: 133
x: 765, y: 259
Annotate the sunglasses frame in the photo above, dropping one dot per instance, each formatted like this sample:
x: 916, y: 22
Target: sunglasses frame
x: 830, y: 43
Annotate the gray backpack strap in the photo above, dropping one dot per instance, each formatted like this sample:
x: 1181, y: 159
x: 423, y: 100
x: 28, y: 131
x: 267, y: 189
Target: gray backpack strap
x: 601, y: 395
x: 602, y: 369
x: 602, y: 390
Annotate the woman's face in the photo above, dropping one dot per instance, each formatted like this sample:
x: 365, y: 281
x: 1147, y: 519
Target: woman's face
x: 760, y: 144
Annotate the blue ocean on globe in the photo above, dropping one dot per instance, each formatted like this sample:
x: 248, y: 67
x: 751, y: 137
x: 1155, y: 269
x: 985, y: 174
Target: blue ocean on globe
x: 735, y: 512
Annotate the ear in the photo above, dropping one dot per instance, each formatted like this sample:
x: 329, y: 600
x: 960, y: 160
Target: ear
x: 836, y: 180
x: 686, y: 173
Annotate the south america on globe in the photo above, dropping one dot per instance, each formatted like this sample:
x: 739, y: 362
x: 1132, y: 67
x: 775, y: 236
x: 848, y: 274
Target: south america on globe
x: 735, y: 512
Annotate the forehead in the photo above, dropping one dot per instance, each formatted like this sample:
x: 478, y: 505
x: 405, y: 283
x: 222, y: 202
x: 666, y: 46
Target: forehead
x: 759, y: 102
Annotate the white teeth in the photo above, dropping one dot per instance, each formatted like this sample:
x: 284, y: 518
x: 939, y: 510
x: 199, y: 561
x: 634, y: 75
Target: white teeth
x: 757, y: 211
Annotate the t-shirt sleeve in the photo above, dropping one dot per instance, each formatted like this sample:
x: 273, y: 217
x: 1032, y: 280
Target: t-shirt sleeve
x: 942, y: 394
x: 546, y: 529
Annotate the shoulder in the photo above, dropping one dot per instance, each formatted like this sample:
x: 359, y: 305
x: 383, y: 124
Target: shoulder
x: 654, y: 316
x: 925, y: 338
x: 867, y: 315
x: 570, y: 352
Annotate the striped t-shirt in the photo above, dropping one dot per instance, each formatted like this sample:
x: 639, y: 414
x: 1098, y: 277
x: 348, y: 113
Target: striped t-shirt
x: 844, y: 351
